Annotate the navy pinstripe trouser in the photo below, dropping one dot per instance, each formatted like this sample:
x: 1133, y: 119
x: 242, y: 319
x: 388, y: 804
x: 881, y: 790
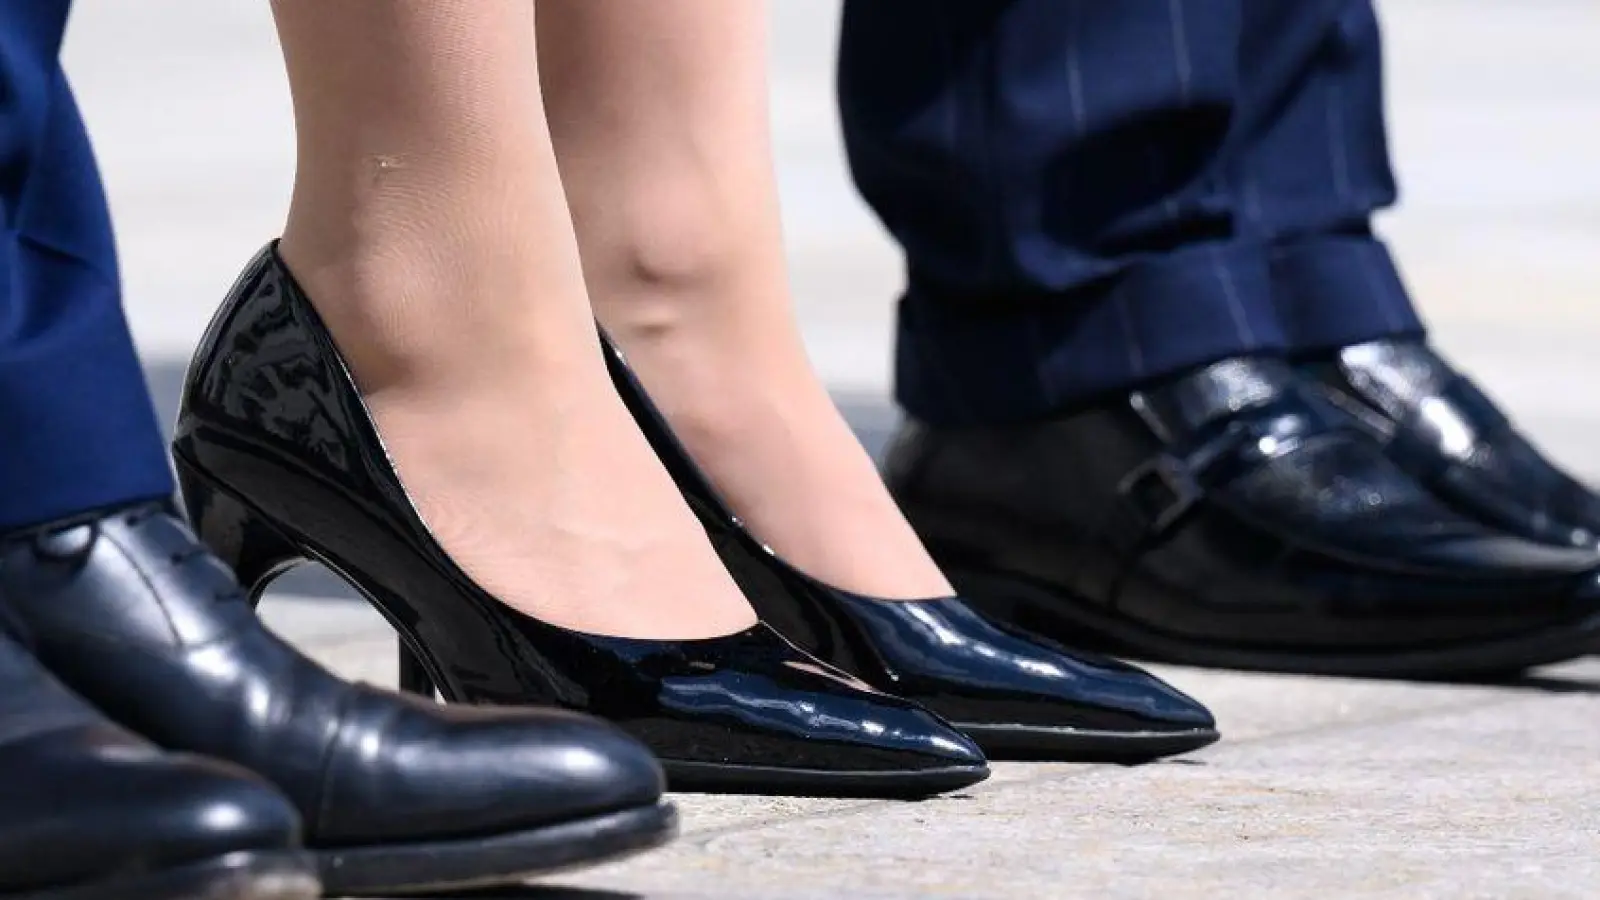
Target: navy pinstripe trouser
x: 1094, y: 193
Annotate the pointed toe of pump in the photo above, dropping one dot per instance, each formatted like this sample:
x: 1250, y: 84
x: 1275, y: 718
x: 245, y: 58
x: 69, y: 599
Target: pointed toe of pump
x: 751, y: 713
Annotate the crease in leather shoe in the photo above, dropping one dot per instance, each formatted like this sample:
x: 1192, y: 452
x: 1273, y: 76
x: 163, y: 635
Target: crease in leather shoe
x: 281, y: 464
x: 1015, y: 694
x: 396, y: 793
x: 88, y: 810
x: 1234, y: 517
x: 1441, y: 428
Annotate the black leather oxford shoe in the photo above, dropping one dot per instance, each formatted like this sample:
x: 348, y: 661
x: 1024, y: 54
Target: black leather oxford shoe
x: 397, y: 794
x: 1233, y: 517
x: 281, y: 464
x: 1015, y: 694
x: 89, y: 812
x: 1438, y: 426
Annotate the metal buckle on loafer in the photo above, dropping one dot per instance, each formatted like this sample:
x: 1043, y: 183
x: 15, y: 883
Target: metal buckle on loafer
x: 1159, y: 492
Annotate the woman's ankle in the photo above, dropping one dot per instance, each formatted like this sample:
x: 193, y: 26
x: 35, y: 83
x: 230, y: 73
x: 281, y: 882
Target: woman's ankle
x: 414, y: 309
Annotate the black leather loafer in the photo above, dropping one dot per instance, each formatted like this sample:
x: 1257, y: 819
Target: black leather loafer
x: 90, y: 812
x: 1438, y: 426
x: 1233, y: 517
x: 397, y: 794
x: 1017, y: 695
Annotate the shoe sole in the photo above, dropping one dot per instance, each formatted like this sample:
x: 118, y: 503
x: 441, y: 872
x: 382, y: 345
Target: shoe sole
x: 714, y: 778
x: 470, y: 863
x: 1038, y: 743
x: 1062, y: 616
x: 237, y: 876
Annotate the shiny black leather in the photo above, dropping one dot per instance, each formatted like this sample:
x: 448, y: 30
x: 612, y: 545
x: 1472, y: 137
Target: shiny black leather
x: 133, y: 613
x: 1234, y: 517
x: 281, y: 463
x: 83, y: 802
x: 1437, y: 425
x: 1010, y: 692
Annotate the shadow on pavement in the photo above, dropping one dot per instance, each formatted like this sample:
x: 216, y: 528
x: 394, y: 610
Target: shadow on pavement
x: 1548, y: 684
x: 531, y: 892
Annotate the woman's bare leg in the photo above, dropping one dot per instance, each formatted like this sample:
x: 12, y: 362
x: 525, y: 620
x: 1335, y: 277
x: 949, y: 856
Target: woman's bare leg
x: 429, y: 226
x: 659, y: 116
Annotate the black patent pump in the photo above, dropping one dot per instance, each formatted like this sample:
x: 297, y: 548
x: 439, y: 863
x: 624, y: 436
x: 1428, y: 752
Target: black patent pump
x: 281, y: 464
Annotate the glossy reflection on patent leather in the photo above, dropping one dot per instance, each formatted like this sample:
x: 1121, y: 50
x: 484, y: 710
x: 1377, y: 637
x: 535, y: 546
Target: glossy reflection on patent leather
x: 1441, y: 428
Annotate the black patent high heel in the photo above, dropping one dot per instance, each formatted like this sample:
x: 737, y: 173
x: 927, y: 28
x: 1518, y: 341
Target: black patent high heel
x: 1016, y: 694
x: 257, y: 553
x: 414, y: 677
x: 281, y: 463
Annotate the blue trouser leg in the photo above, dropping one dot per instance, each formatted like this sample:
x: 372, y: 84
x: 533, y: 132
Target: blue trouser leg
x: 77, y: 427
x: 1312, y: 165
x: 1064, y: 177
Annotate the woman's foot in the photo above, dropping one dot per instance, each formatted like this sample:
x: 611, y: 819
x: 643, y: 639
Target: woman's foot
x: 519, y: 456
x: 753, y: 414
x: 429, y: 226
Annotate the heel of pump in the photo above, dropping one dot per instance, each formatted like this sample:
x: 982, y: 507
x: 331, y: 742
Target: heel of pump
x: 237, y: 534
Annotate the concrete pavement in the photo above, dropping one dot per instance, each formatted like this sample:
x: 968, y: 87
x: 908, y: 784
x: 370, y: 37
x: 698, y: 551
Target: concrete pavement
x: 1321, y: 787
